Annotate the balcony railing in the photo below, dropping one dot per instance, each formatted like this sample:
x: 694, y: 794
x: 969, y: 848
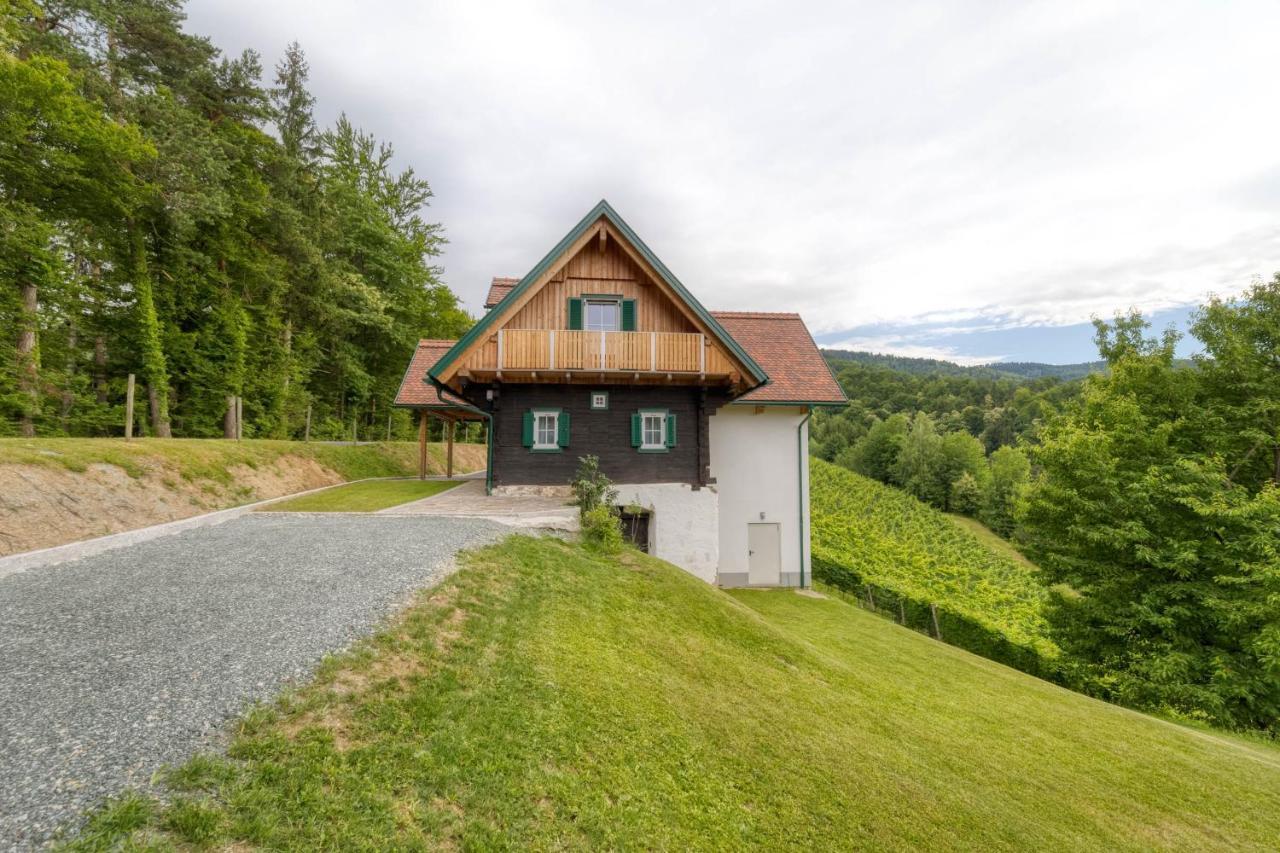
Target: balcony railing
x: 571, y: 350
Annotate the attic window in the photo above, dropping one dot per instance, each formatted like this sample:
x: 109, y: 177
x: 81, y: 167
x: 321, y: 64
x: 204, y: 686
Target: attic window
x: 603, y: 315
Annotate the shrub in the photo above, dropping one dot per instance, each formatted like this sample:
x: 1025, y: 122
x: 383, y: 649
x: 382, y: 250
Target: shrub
x: 591, y: 488
x: 602, y: 530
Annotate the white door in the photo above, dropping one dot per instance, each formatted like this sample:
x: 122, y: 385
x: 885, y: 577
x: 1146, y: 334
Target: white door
x: 764, y: 555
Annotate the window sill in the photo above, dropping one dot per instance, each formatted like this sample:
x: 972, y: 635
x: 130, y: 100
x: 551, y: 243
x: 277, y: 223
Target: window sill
x: 653, y: 449
x: 546, y: 450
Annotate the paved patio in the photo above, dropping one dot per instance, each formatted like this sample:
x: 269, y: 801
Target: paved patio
x: 469, y: 501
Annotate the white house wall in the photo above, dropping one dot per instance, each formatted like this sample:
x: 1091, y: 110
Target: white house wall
x: 684, y: 528
x: 760, y: 466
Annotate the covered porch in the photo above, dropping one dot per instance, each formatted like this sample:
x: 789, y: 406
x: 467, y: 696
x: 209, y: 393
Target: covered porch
x: 418, y: 394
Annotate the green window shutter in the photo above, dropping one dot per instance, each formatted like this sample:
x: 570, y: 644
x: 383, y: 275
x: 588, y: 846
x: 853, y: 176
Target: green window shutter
x: 526, y: 435
x: 628, y: 315
x: 636, y: 436
x: 575, y: 312
x: 671, y: 430
x: 563, y: 424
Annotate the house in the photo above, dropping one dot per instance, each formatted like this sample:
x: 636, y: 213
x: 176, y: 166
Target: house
x: 699, y: 417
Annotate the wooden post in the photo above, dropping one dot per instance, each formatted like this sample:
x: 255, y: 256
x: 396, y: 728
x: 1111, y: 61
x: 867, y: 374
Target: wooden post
x: 388, y: 426
x: 422, y: 445
x: 902, y: 613
x: 128, y: 409
x: 355, y: 435
x: 450, y: 427
x: 239, y: 418
x: 306, y: 434
x: 937, y: 631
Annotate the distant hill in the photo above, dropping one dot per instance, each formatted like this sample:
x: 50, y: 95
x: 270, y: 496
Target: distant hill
x: 1019, y: 369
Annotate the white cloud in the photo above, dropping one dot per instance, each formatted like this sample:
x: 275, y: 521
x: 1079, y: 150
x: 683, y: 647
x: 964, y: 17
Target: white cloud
x: 890, y: 345
x: 860, y: 163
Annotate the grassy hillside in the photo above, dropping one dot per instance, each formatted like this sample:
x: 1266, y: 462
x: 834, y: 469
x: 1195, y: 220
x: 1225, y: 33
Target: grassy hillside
x: 888, y: 548
x: 56, y: 490
x: 546, y: 698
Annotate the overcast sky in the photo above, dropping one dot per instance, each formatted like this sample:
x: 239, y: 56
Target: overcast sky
x: 969, y: 180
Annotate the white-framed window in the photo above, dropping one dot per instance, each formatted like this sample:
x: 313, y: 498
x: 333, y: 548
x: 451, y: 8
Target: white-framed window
x: 653, y: 430
x: 602, y: 315
x: 546, y: 430
x: 599, y: 399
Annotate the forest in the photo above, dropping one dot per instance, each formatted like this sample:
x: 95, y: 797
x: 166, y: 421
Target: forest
x: 172, y: 213
x: 950, y: 437
x: 1148, y: 493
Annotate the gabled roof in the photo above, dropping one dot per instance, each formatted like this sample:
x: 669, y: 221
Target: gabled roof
x: 603, y: 210
x: 417, y: 392
x: 498, y: 289
x: 783, y: 346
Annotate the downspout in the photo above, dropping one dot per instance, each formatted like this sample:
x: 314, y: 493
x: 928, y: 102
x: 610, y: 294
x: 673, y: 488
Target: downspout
x: 802, y: 457
x: 488, y: 465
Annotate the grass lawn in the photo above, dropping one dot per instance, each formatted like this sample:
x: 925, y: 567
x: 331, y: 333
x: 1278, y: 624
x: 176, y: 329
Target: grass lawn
x: 363, y: 497
x: 991, y: 539
x: 544, y: 697
x: 211, y: 458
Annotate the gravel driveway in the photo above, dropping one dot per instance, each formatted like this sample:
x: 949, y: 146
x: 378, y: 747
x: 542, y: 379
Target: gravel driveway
x: 115, y: 665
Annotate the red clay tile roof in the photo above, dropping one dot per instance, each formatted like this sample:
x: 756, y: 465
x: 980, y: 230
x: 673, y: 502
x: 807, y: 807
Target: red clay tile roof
x: 415, y: 391
x: 498, y: 289
x: 782, y: 345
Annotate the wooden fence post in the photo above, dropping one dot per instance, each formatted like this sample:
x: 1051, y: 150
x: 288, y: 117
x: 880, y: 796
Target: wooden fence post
x: 388, y: 426
x: 902, y: 613
x: 306, y: 435
x: 937, y: 631
x: 128, y: 409
x: 239, y: 418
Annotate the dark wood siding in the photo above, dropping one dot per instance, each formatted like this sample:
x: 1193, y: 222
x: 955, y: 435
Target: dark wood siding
x: 607, y: 434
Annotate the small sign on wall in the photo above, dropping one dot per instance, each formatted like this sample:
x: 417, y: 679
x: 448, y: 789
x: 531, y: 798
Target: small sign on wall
x: 599, y: 400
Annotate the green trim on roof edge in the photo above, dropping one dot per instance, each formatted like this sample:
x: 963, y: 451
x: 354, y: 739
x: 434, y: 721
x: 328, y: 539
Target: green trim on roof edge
x: 738, y: 401
x: 606, y: 210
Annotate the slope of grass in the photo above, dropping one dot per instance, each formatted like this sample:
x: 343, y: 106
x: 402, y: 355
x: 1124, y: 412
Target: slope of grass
x: 210, y: 459
x: 866, y: 534
x: 994, y: 541
x: 548, y: 698
x: 369, y: 496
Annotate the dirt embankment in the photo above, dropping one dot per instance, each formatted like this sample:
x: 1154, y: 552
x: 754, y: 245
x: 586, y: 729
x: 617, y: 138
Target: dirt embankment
x: 42, y: 505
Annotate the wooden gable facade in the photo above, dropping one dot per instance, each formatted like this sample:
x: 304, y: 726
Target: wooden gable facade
x: 535, y: 333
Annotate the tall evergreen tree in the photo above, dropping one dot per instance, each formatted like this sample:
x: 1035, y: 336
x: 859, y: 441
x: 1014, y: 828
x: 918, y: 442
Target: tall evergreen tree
x: 150, y: 224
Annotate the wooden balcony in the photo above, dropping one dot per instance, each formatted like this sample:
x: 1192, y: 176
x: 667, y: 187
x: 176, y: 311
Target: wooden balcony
x: 565, y: 354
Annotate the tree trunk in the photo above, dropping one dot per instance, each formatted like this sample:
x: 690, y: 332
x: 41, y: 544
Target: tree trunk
x: 229, y: 421
x: 28, y: 358
x: 155, y: 370
x: 282, y: 429
x: 100, y: 368
x: 153, y: 407
x: 68, y: 394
